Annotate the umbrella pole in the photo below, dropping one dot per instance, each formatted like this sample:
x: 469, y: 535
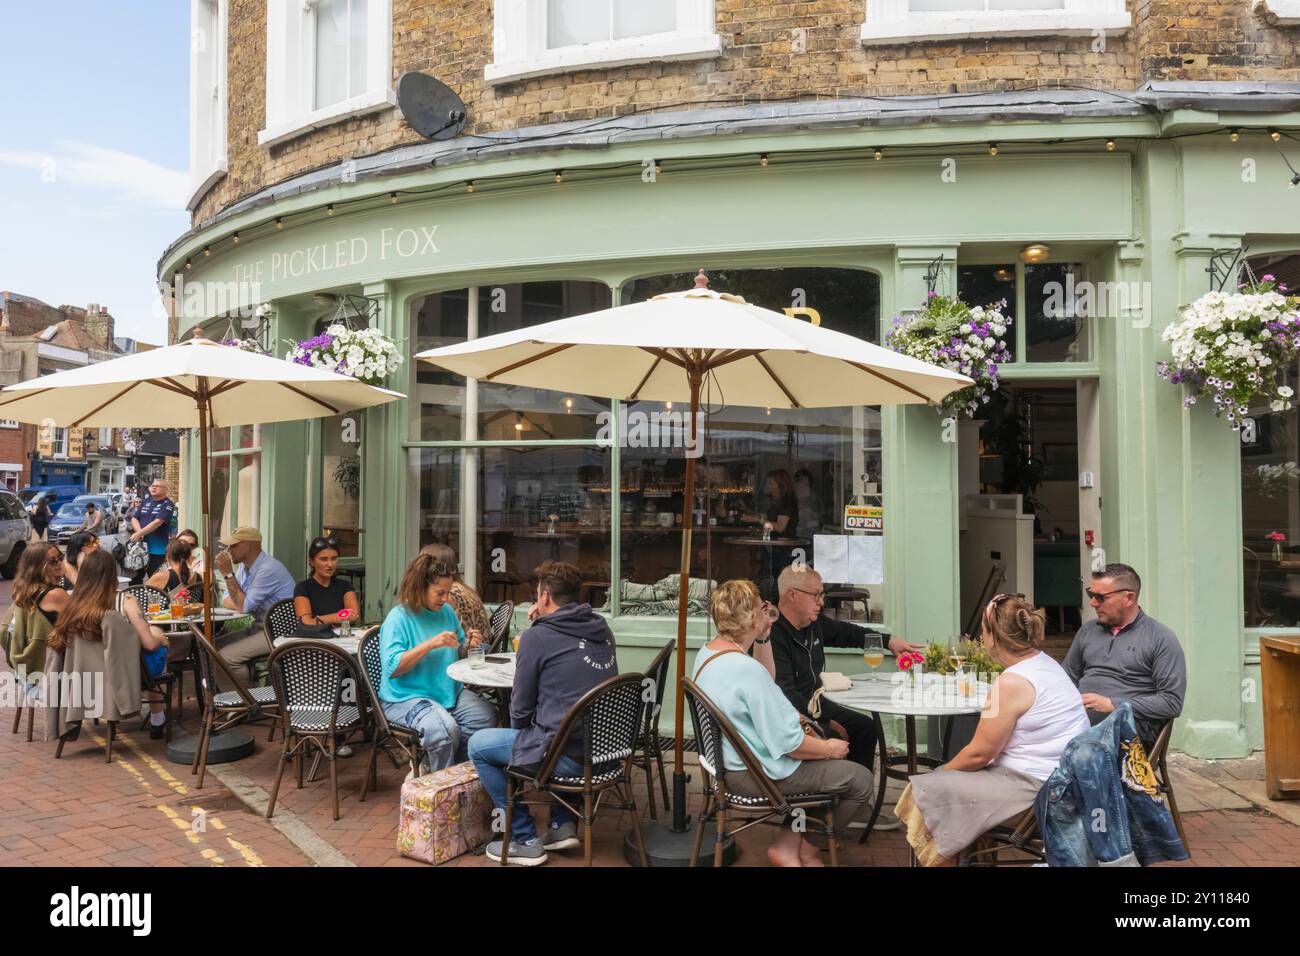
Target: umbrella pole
x: 688, y: 520
x: 208, y: 595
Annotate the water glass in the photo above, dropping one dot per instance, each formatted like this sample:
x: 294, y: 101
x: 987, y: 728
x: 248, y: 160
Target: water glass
x: 478, y: 656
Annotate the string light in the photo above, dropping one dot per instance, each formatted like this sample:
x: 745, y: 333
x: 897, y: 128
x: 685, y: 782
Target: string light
x: 1110, y: 145
x: 206, y: 252
x: 993, y: 149
x: 1235, y: 135
x: 658, y: 168
x: 1295, y: 180
x: 329, y: 209
x: 1277, y: 137
x: 279, y: 223
x: 762, y: 159
x: 559, y: 175
x: 469, y: 186
x: 189, y: 264
x: 393, y: 197
x: 234, y: 237
x: 568, y: 405
x: 879, y: 153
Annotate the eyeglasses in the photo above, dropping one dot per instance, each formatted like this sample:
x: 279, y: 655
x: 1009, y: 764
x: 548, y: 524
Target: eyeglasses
x: 1100, y: 596
x: 815, y: 595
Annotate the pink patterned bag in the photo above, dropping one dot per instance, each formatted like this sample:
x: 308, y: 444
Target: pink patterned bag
x: 444, y: 815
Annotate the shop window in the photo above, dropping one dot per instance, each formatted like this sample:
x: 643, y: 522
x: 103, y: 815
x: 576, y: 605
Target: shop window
x: 535, y: 37
x: 1270, y: 491
x: 341, y: 475
x: 986, y: 285
x: 327, y: 60
x: 208, y: 20
x: 1058, y: 301
x: 894, y: 21
x: 235, y: 481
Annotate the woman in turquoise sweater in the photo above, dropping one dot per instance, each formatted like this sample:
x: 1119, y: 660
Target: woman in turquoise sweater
x: 421, y: 636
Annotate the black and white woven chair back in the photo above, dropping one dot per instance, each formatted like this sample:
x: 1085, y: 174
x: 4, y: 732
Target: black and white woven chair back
x: 145, y: 595
x: 207, y: 671
x: 612, y: 726
x: 499, y: 626
x: 309, y: 685
x: 368, y: 652
x: 708, y: 735
x: 281, y: 620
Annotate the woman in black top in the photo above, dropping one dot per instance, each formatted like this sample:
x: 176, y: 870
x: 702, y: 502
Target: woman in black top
x: 41, y: 518
x: 782, y: 505
x: 40, y: 571
x: 319, y: 598
x: 79, y: 545
x: 176, y: 571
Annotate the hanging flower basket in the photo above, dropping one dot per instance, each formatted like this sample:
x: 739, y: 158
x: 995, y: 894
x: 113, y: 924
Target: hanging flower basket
x: 1235, y: 348
x: 953, y: 335
x: 365, y: 354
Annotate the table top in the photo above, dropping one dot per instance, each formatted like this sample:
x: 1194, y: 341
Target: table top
x: 218, y: 614
x: 894, y: 694
x: 778, y: 542
x: 346, y: 644
x: 489, y: 675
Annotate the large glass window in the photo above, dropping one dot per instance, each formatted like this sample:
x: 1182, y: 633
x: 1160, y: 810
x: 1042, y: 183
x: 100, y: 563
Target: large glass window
x: 1270, y: 493
x: 1058, y: 300
x: 340, y: 49
x: 574, y: 22
x: 341, y: 473
x: 235, y: 481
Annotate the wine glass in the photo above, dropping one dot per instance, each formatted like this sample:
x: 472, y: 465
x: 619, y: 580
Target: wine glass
x: 956, y: 656
x: 873, y: 653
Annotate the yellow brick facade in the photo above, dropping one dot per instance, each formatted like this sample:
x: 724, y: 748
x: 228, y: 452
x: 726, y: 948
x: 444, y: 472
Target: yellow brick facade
x: 452, y: 40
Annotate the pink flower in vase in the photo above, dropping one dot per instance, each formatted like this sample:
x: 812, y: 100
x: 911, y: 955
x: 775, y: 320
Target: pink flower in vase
x: 1275, y: 536
x: 345, y: 614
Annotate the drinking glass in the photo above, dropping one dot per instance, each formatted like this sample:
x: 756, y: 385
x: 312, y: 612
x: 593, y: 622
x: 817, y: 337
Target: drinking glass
x: 516, y: 643
x: 477, y: 657
x: 155, y: 608
x: 873, y: 653
x: 956, y: 656
x: 178, y: 611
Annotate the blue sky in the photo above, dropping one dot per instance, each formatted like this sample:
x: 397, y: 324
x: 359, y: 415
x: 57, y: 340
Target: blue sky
x: 94, y: 151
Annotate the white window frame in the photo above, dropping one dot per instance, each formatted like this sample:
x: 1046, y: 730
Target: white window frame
x: 892, y: 21
x: 290, y: 70
x: 1279, y: 13
x: 519, y: 42
x: 209, y: 160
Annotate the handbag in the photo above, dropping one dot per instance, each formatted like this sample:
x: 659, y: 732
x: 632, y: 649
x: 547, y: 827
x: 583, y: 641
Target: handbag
x: 314, y: 630
x: 137, y: 556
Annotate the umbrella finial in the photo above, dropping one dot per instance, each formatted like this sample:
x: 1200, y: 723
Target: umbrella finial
x: 701, y: 280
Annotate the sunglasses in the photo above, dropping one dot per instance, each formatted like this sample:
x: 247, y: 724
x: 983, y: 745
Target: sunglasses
x: 1102, y: 595
x: 320, y: 544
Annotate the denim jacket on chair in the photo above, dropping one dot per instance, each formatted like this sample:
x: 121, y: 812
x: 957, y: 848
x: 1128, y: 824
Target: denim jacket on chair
x: 1101, y: 807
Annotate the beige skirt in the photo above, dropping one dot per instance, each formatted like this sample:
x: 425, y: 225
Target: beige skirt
x: 948, y: 810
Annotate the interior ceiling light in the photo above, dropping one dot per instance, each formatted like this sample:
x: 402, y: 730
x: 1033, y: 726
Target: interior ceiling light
x: 1035, y: 252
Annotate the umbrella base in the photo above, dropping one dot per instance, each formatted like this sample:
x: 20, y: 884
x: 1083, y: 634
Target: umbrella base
x: 224, y: 747
x: 664, y: 847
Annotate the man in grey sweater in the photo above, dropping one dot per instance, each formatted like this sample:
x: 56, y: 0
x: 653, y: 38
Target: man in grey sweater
x: 1126, y: 655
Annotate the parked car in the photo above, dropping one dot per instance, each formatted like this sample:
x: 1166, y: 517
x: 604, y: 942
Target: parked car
x: 54, y: 495
x: 70, y: 516
x: 15, y: 530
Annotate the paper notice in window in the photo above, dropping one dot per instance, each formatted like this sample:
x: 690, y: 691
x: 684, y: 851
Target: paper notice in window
x: 831, y: 558
x: 866, y: 559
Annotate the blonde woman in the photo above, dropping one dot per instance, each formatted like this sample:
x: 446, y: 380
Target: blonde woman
x: 1033, y: 711
x: 795, y: 758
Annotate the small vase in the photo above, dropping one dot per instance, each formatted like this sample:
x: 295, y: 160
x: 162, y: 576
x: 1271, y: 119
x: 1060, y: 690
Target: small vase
x: 345, y: 629
x: 1277, y: 551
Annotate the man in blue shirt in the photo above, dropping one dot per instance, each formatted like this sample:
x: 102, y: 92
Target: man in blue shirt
x: 151, y: 523
x: 253, y: 588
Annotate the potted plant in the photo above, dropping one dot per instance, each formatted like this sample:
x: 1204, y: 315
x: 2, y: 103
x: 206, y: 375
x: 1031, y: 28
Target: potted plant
x: 365, y: 354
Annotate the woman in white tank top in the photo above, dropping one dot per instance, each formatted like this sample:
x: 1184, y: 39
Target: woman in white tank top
x: 1033, y: 711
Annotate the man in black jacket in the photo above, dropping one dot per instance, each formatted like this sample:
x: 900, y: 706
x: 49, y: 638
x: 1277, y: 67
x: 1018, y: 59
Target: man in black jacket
x: 799, y: 640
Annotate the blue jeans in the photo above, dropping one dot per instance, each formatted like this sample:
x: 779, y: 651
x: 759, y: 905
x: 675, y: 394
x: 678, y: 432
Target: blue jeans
x: 443, y: 733
x: 491, y: 751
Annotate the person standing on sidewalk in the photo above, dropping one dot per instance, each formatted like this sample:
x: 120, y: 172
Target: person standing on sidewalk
x: 150, y: 524
x: 41, y: 519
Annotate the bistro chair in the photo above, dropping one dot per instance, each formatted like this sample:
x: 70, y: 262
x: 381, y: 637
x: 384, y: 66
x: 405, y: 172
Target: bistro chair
x: 388, y: 733
x: 1159, y: 751
x: 609, y: 719
x: 712, y: 728
x: 308, y: 677
x: 27, y: 702
x: 281, y: 620
x: 649, y: 755
x: 222, y: 710
x: 499, y: 628
x: 144, y: 596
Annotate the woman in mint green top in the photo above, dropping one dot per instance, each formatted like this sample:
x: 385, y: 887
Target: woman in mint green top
x: 420, y: 638
x: 745, y: 690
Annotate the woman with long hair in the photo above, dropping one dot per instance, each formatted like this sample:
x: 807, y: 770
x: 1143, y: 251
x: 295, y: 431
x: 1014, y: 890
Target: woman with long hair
x: 196, y: 553
x: 1033, y: 711
x: 464, y: 599
x: 37, y: 601
x: 79, y: 545
x: 176, y: 572
x: 318, y: 598
x: 420, y: 637
x: 83, y: 617
x: 41, y: 518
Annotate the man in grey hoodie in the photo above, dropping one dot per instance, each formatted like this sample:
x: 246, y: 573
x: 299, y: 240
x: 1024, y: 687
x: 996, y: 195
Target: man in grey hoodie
x: 567, y: 651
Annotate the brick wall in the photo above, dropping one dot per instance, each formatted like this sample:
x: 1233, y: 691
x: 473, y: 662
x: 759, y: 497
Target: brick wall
x: 15, y: 443
x: 27, y: 316
x: 452, y: 40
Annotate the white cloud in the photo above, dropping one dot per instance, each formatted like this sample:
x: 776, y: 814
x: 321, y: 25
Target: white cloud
x: 124, y: 176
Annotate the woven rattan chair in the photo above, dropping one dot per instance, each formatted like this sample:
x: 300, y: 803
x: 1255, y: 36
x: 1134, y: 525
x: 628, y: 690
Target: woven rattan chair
x: 649, y: 755
x: 387, y: 733
x: 711, y: 728
x: 281, y: 620
x: 499, y: 628
x: 310, y: 678
x: 609, y: 718
x: 221, y: 710
x: 144, y: 596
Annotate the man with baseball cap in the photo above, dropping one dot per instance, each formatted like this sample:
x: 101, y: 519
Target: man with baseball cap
x: 253, y: 587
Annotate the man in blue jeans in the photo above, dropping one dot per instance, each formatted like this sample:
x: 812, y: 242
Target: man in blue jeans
x: 566, y: 652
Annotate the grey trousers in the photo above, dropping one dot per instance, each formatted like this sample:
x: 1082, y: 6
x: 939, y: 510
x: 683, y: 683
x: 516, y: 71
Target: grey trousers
x: 851, y: 781
x: 240, y: 648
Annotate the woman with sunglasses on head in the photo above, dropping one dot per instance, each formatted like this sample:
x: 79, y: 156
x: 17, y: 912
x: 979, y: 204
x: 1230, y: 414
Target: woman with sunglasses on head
x: 320, y: 596
x: 1033, y: 711
x: 796, y: 758
x: 38, y: 599
x: 79, y: 545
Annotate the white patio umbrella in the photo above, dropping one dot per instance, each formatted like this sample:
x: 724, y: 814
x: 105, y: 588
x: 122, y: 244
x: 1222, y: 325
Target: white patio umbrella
x: 193, y: 384
x: 665, y: 348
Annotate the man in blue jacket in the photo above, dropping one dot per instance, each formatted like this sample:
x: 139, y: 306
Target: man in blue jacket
x: 567, y: 651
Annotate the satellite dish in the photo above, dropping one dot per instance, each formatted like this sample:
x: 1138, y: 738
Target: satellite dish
x: 430, y: 106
